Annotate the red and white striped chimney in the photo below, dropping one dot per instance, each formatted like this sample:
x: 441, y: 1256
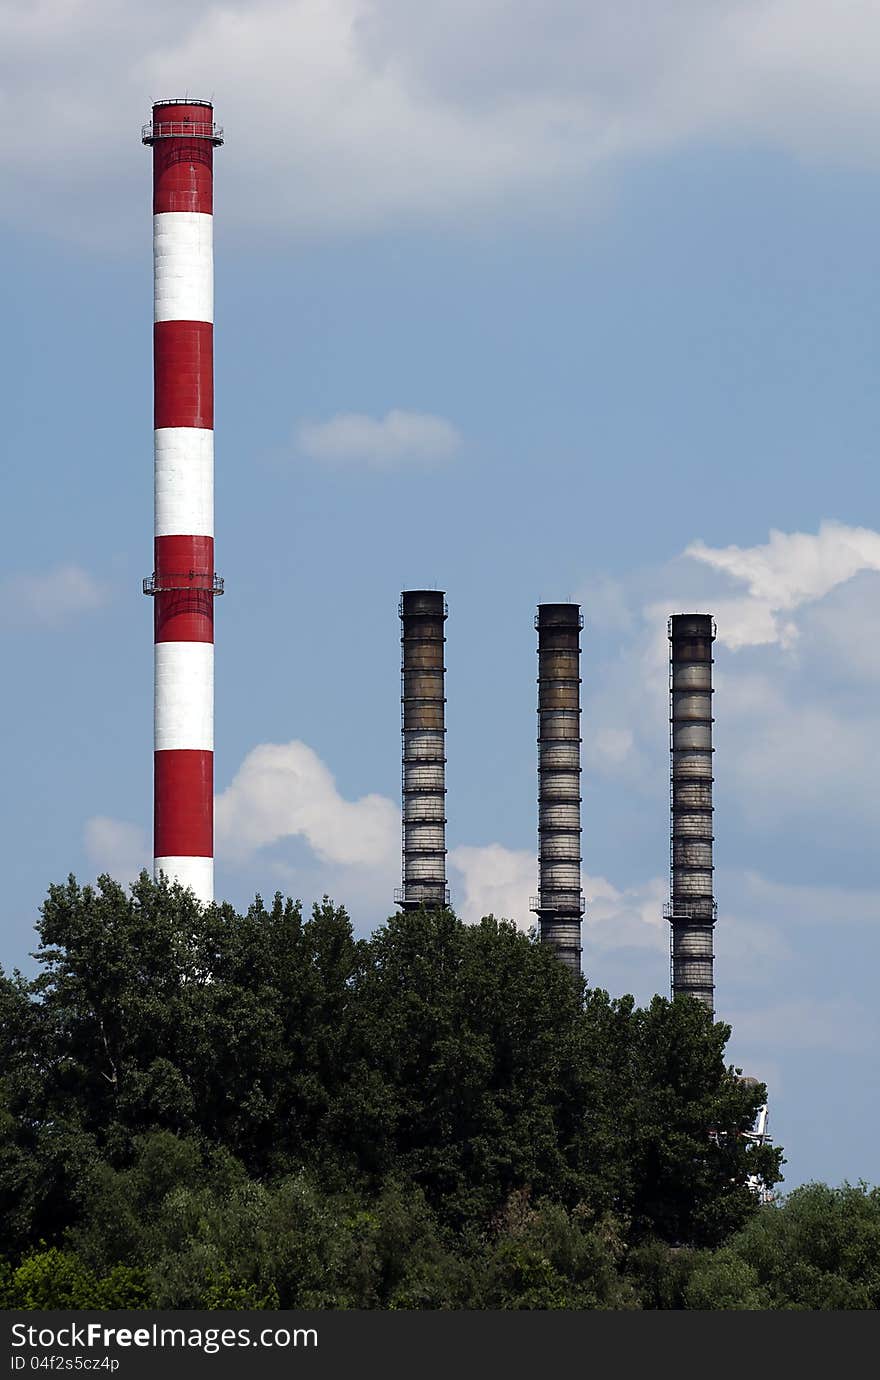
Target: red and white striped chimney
x: 183, y: 136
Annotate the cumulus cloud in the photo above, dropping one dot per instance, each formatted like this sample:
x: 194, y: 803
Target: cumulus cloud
x: 49, y: 597
x: 790, y: 570
x: 500, y: 881
x: 802, y: 729
x: 356, y: 113
x: 398, y: 438
x: 284, y: 790
x: 494, y: 880
x: 798, y: 724
x: 116, y: 847
x: 627, y: 918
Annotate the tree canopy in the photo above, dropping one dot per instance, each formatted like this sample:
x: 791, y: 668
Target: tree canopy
x: 199, y: 1106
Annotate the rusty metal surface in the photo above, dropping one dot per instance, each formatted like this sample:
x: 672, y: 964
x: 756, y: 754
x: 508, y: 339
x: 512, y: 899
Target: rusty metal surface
x: 560, y: 903
x: 691, y: 910
x: 423, y: 731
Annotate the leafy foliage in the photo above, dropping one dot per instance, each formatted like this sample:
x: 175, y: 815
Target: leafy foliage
x: 52, y: 1278
x: 260, y: 1110
x: 822, y: 1251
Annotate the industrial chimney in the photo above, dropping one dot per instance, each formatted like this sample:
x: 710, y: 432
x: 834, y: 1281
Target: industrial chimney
x: 183, y: 135
x: 691, y: 910
x: 560, y: 902
x: 423, y: 711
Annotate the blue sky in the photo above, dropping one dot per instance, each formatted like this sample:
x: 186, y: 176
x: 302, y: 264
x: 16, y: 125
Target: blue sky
x: 542, y: 303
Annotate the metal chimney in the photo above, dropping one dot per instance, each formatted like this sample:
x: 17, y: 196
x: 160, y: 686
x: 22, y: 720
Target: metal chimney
x: 691, y: 910
x: 560, y: 902
x: 423, y: 722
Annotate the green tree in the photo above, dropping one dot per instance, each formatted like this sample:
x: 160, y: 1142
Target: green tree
x: 819, y: 1250
x: 685, y: 1113
x: 547, y: 1258
x: 722, y: 1279
x: 187, y: 1090
x: 468, y: 1035
x: 659, y: 1273
x: 58, y: 1279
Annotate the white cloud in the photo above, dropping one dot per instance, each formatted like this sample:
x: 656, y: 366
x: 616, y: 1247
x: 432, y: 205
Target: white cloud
x: 346, y: 114
x: 790, y: 570
x: 627, y: 918
x: 49, y: 597
x: 398, y: 438
x: 797, y: 721
x: 117, y: 847
x: 284, y: 790
x: 494, y: 881
x: 500, y: 881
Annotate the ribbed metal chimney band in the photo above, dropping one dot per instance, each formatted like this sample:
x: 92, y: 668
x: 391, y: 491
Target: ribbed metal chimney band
x: 692, y: 909
x: 560, y: 903
x: 423, y: 724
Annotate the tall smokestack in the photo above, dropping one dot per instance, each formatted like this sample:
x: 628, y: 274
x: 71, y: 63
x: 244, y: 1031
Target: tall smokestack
x: 423, y: 707
x: 691, y: 909
x: 560, y: 903
x: 183, y: 135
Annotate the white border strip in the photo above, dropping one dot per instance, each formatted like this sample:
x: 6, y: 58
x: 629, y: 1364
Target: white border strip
x: 197, y: 873
x: 184, y: 702
x: 183, y: 266
x: 184, y: 481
